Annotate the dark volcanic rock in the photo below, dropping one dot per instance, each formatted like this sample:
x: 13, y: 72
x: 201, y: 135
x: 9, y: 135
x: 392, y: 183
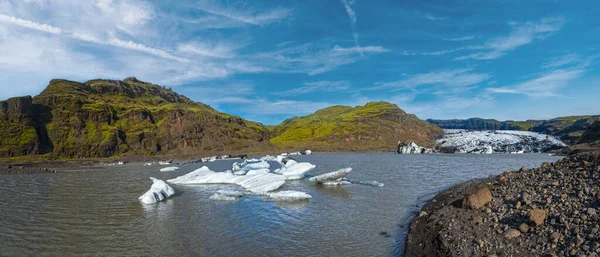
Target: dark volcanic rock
x: 560, y: 201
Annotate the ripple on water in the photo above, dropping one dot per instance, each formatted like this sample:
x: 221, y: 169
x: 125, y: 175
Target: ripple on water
x: 97, y: 212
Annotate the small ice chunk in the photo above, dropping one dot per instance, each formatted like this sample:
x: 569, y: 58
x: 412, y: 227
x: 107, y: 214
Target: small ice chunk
x: 331, y: 176
x: 222, y: 197
x: 159, y: 191
x: 336, y: 182
x: 247, y: 166
x: 289, y: 195
x: 291, y: 169
x: 173, y: 168
x: 231, y: 193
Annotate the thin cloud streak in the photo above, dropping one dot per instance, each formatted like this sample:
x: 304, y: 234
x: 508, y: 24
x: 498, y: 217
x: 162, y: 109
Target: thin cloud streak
x: 30, y: 24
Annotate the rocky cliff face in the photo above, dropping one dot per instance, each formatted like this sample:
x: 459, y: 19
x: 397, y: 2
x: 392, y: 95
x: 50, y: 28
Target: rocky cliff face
x: 102, y: 118
x: 376, y: 126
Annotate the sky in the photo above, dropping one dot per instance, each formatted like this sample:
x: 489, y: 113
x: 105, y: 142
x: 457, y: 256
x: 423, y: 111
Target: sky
x: 270, y: 60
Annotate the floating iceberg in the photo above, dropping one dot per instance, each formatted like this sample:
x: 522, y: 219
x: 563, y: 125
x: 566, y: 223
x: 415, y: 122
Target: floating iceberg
x: 173, y: 168
x: 148, y: 164
x: 331, y: 176
x: 258, y: 184
x: 366, y: 182
x: 222, y: 197
x: 307, y: 152
x: 231, y: 193
x: 499, y: 141
x: 165, y: 162
x: 412, y: 148
x: 268, y: 158
x: 292, y: 169
x: 159, y: 191
x: 289, y: 196
x: 247, y: 166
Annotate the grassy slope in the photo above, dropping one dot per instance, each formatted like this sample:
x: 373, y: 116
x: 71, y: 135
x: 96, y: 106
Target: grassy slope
x: 376, y: 126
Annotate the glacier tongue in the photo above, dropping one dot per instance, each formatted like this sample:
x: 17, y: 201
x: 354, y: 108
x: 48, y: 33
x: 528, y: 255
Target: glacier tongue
x: 159, y: 191
x: 499, y: 141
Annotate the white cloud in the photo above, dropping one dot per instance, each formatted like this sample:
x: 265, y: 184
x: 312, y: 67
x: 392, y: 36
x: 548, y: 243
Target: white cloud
x: 218, y: 50
x: 29, y: 24
x: 545, y: 85
x: 317, y: 86
x: 567, y: 59
x: 311, y: 59
x: 143, y: 48
x: 433, y: 18
x: 352, y: 15
x: 465, y: 38
x: 521, y: 34
x: 448, y: 78
x: 244, y: 14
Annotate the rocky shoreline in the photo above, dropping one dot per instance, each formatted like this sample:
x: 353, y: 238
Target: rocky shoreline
x: 553, y: 210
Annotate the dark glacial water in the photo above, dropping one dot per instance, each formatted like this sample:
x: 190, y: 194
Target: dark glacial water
x: 96, y: 212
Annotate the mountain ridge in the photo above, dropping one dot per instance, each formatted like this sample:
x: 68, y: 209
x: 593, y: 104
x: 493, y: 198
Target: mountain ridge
x: 107, y: 118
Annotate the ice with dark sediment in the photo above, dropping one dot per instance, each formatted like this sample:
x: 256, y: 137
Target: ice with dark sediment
x: 159, y: 191
x: 498, y: 141
x: 331, y: 176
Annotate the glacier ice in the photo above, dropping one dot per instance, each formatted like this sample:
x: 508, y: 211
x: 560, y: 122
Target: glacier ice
x: 289, y: 195
x: 258, y: 184
x: 498, y: 141
x: 159, y: 191
x: 173, y: 168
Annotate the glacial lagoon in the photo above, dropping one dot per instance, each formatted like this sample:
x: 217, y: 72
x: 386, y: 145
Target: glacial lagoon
x: 97, y: 211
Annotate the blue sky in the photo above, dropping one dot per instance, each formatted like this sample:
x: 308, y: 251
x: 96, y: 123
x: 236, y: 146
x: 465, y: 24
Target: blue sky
x: 270, y: 60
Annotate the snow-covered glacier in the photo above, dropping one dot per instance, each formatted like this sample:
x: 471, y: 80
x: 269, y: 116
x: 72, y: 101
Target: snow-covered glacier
x: 497, y: 141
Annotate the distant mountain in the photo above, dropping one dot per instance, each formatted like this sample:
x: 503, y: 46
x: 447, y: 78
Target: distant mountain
x: 102, y: 118
x: 374, y: 126
x: 569, y: 129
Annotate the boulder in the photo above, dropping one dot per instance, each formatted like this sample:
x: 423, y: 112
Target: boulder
x: 477, y: 199
x: 512, y: 233
x: 537, y: 216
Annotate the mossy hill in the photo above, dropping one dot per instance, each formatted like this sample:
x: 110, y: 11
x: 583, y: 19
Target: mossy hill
x: 569, y: 129
x: 111, y: 118
x: 102, y: 118
x: 376, y: 126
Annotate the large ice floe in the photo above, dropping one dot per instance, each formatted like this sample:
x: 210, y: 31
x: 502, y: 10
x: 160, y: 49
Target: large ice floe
x: 292, y: 169
x: 257, y: 184
x: 159, y: 191
x: 498, y: 141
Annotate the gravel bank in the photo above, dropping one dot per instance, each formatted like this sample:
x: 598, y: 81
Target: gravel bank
x: 548, y: 211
